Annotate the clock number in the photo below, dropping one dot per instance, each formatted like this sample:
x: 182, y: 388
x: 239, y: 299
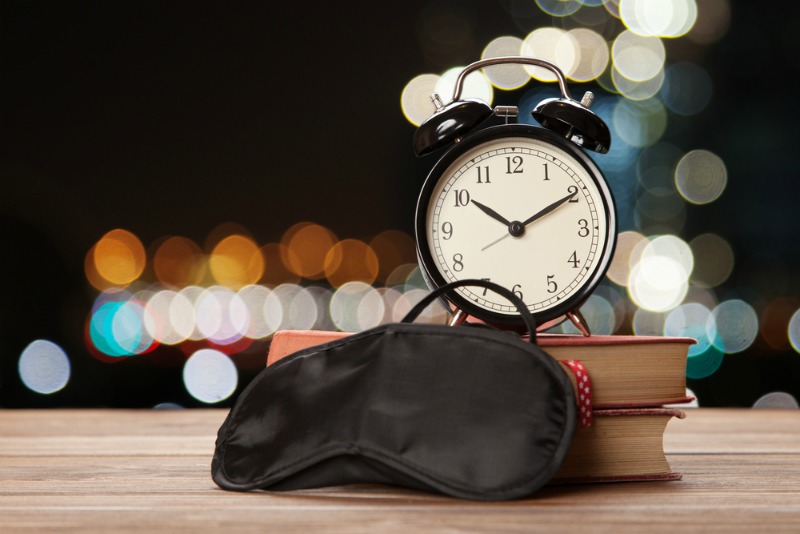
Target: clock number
x: 516, y: 290
x: 583, y: 229
x: 483, y: 175
x: 516, y: 161
x: 447, y: 230
x: 485, y: 289
x: 546, y: 176
x: 462, y: 197
x: 458, y: 262
x: 574, y: 259
x: 552, y: 287
x: 572, y: 190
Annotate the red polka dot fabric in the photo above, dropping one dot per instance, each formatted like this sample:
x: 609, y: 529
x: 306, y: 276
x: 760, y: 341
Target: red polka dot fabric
x: 584, y: 392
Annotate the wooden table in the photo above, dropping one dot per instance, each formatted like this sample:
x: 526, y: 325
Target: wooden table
x: 107, y: 470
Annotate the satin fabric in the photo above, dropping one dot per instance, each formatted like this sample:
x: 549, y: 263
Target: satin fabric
x: 468, y: 412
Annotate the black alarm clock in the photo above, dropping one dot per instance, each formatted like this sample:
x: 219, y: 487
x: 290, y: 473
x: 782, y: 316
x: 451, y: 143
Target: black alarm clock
x: 520, y: 205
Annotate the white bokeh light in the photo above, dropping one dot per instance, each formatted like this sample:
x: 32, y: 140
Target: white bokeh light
x: 44, y: 367
x: 210, y: 376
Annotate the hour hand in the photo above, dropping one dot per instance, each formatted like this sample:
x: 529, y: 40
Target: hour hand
x: 491, y: 213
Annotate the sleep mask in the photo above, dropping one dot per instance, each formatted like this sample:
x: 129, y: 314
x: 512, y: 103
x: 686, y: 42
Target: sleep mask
x: 469, y: 412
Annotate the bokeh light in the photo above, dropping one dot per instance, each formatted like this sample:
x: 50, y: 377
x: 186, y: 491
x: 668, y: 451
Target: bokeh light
x: 637, y: 57
x: 44, y: 367
x: 713, y: 260
x: 476, y: 85
x: 624, y: 258
x: 507, y: 76
x: 664, y: 18
x: 236, y: 261
x: 734, y: 326
x: 777, y: 400
x: 660, y: 280
x: 119, y: 257
x: 712, y: 23
x: 701, y: 177
x: 356, y: 306
x: 299, y: 309
x: 177, y: 262
x: 306, y: 246
x: 559, y: 8
x: 351, y: 260
x: 687, y: 88
x: 233, y: 289
x: 554, y: 45
x: 415, y: 100
x: 592, y: 54
x: 794, y: 330
x: 704, y: 364
x: 210, y: 376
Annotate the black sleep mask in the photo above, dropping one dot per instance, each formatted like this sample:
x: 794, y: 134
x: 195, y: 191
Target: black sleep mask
x: 466, y: 411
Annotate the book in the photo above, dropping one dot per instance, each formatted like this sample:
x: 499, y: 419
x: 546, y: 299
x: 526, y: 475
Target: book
x: 621, y: 445
x: 626, y: 370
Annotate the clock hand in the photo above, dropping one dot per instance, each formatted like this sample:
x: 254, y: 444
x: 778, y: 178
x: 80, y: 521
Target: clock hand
x: 517, y: 229
x: 496, y: 241
x: 548, y: 209
x: 491, y: 213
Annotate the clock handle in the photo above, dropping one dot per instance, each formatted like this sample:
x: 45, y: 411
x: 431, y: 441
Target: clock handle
x: 527, y: 318
x: 501, y: 60
x: 567, y: 117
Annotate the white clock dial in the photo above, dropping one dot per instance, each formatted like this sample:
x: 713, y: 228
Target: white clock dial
x: 523, y: 213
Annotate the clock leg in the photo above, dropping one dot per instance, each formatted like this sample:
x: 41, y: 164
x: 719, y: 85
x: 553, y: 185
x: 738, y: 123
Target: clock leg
x: 579, y: 322
x: 459, y: 318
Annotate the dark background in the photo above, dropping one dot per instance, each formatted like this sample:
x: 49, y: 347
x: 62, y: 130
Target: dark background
x: 172, y: 117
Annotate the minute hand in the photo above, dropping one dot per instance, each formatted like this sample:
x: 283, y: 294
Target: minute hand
x: 548, y: 209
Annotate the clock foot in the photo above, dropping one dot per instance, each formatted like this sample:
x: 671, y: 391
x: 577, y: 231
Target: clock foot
x: 579, y: 322
x: 459, y: 318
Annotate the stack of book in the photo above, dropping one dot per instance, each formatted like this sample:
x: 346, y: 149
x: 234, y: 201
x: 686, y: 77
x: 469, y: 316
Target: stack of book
x: 633, y: 380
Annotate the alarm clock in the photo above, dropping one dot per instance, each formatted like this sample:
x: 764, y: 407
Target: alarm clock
x: 520, y: 205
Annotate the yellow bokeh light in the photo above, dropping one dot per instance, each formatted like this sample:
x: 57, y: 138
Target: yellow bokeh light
x: 236, y: 261
x: 119, y: 257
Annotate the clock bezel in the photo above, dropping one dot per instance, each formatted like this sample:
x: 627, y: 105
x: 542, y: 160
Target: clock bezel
x: 430, y: 271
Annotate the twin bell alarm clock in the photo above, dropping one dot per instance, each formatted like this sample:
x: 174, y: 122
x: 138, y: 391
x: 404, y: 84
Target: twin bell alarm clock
x: 519, y: 205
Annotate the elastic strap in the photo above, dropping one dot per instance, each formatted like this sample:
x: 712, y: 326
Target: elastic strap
x: 583, y: 391
x: 527, y: 318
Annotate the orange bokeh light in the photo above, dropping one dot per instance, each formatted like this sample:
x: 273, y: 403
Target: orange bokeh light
x: 351, y: 260
x: 118, y: 258
x: 307, y: 245
x: 178, y: 262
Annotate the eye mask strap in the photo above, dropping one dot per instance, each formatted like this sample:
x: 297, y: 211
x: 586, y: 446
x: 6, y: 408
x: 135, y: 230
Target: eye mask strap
x: 528, y: 319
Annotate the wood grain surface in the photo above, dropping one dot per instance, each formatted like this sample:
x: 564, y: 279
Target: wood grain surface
x: 149, y: 471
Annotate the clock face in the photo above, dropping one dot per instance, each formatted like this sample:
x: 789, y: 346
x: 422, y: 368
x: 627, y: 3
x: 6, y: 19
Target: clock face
x: 521, y: 207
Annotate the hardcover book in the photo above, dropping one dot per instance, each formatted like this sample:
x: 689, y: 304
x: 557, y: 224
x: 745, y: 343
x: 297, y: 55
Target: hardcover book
x: 626, y: 370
